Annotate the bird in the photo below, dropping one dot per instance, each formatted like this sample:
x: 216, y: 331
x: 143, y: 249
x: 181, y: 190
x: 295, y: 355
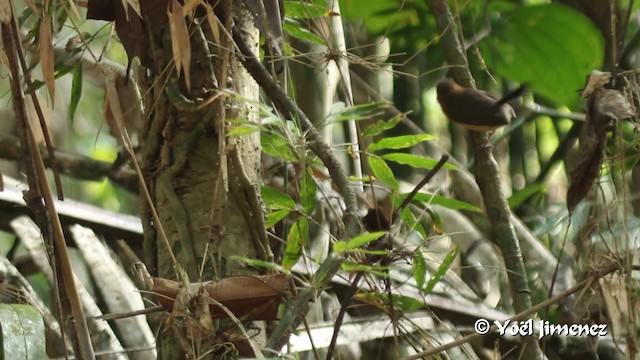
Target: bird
x: 475, y: 110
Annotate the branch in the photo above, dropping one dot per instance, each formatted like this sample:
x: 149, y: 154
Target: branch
x: 488, y: 179
x: 330, y: 266
x: 76, y: 166
x: 289, y: 109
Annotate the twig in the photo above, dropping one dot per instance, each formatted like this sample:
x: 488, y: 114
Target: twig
x: 286, y: 106
x: 523, y: 315
x: 353, y: 289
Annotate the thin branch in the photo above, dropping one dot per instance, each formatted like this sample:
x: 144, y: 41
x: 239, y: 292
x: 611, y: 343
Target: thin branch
x: 355, y: 284
x: 286, y: 106
x: 523, y: 315
x: 74, y: 165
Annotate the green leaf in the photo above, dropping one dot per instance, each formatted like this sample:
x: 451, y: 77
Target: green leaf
x: 436, y: 221
x: 298, y: 237
x: 242, y: 130
x: 383, y: 172
x: 442, y: 269
x: 275, y: 217
x: 363, y: 111
x: 449, y: 203
x: 308, y: 189
x: 401, y: 302
x: 416, y: 161
x: 377, y: 270
x: 296, y: 9
x: 76, y: 91
x: 277, y: 146
x: 419, y: 267
x: 276, y: 199
x: 549, y: 47
x: 294, y: 29
x: 411, y: 222
x: 521, y: 196
x: 381, y: 125
x: 400, y: 142
x: 364, y: 239
x: 340, y: 246
x: 261, y: 264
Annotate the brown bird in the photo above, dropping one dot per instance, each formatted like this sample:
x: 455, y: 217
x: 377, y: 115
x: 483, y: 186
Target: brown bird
x: 475, y: 109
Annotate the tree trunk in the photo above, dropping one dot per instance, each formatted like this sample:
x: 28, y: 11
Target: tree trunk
x: 200, y: 180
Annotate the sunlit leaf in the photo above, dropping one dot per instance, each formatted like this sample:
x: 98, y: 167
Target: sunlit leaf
x: 449, y: 203
x: 242, y: 130
x: 416, y: 161
x: 296, y: 9
x: 381, y: 125
x: 442, y: 269
x: 383, y: 172
x: 400, y: 142
x: 275, y: 199
x: 274, y: 217
x: 364, y: 239
x: 294, y: 29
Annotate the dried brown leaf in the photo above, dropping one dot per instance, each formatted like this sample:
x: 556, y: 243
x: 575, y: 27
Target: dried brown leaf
x: 613, y: 104
x: 5, y: 11
x: 247, y: 297
x: 213, y: 21
x: 190, y: 6
x: 45, y: 52
x: 180, y: 43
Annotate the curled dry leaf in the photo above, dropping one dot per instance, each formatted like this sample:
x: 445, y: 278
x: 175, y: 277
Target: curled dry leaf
x: 180, y: 43
x: 247, y: 297
x: 45, y: 52
x: 613, y: 104
x: 596, y: 81
x: 604, y: 107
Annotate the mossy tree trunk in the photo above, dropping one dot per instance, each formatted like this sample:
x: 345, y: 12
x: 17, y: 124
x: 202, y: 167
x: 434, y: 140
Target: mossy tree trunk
x: 200, y: 181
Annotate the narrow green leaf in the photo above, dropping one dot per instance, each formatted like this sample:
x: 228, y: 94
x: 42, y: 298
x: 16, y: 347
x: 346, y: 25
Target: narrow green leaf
x: 294, y: 29
x: 442, y: 269
x: 340, y: 246
x: 436, y: 221
x: 242, y: 130
x: 419, y: 267
x: 363, y: 111
x: 364, y: 239
x: 298, y: 237
x: 296, y: 9
x: 277, y: 146
x: 402, y: 302
x: 308, y: 189
x: 411, y: 222
x: 400, y: 142
x: 276, y: 199
x: 449, y: 203
x: 521, y: 196
x: 383, y: 172
x: 261, y: 264
x: 381, y: 125
x: 275, y: 217
x: 416, y: 161
x: 76, y: 91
